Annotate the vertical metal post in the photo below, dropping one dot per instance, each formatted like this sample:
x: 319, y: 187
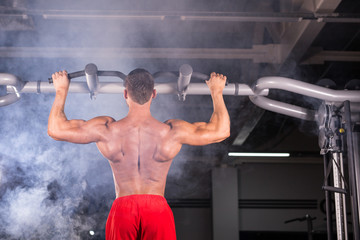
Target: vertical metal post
x: 343, y: 197
x: 340, y: 209
x: 356, y: 145
x: 309, y: 227
x: 353, y: 172
x: 327, y: 199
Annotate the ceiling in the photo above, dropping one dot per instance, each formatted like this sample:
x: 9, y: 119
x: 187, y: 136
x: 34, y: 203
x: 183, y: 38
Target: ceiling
x: 307, y: 40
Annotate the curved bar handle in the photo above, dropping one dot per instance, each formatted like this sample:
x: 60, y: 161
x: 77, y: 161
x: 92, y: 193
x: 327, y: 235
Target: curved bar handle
x: 295, y: 86
x: 175, y: 75
x: 15, y: 84
x: 165, y: 74
x: 100, y: 73
x: 305, y: 89
x: 71, y: 75
x: 112, y: 74
x: 284, y: 108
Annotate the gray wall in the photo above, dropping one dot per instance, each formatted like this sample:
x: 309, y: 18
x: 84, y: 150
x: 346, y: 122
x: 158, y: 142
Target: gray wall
x: 280, y: 181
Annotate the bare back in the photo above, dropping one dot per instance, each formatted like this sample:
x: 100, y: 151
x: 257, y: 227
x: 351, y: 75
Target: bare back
x: 139, y: 148
x: 140, y: 154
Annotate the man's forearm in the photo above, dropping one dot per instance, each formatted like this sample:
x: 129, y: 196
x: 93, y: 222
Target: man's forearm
x: 220, y: 117
x: 57, y: 115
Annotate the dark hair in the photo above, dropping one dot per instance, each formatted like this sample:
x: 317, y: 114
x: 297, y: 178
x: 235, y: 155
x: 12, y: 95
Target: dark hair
x: 140, y: 85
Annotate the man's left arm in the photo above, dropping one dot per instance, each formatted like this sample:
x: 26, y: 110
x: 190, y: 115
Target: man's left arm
x: 75, y: 131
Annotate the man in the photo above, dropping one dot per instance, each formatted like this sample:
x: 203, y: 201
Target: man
x: 140, y: 150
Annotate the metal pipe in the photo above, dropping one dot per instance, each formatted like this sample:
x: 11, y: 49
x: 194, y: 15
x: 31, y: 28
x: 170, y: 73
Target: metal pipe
x: 9, y: 99
x: 356, y: 146
x: 283, y: 108
x: 340, y: 208
x: 327, y: 199
x: 353, y: 171
x: 115, y: 87
x: 184, y: 87
x: 12, y: 83
x: 306, y: 89
x: 203, y: 16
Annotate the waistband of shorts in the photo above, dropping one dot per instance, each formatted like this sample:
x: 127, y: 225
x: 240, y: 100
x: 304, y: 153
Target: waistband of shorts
x: 141, y: 196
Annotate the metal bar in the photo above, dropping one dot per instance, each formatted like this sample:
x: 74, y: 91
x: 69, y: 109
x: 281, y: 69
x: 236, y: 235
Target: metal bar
x: 258, y: 53
x: 9, y: 99
x: 353, y: 172
x: 234, y: 89
x: 356, y: 145
x: 338, y: 56
x: 114, y: 87
x: 244, y: 18
x: 267, y: 53
x: 306, y: 89
x: 188, y: 16
x: 12, y: 83
x: 334, y: 189
x: 327, y: 200
x: 342, y: 185
x: 340, y: 211
x: 283, y: 108
x: 309, y: 227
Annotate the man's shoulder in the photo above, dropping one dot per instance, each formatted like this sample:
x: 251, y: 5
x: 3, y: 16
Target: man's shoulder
x: 174, y: 122
x: 105, y: 120
x: 101, y: 120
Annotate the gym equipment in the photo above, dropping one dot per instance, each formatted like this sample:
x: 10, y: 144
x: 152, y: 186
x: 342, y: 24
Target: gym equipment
x: 338, y: 119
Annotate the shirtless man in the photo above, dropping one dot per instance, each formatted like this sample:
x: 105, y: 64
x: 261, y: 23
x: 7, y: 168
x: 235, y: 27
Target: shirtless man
x: 140, y: 150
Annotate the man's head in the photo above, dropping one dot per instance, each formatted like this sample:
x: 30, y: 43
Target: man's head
x: 140, y: 85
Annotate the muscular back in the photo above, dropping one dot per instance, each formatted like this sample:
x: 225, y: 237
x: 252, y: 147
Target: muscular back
x: 139, y: 148
x: 140, y: 152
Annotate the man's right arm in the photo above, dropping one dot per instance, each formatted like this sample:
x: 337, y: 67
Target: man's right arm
x: 76, y: 130
x: 202, y: 133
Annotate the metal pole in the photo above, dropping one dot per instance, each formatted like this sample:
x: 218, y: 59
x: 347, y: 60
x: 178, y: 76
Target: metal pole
x: 356, y: 145
x: 327, y: 199
x: 306, y: 89
x: 309, y: 227
x: 340, y: 210
x: 353, y: 172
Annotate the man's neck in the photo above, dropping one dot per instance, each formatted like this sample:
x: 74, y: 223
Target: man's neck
x: 139, y: 111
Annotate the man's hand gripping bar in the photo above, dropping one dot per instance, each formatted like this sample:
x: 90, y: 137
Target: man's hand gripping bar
x: 71, y: 75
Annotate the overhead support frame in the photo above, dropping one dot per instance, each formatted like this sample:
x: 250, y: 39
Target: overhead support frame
x: 257, y: 94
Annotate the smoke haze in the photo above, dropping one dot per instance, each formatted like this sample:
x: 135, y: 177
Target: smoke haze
x: 58, y: 190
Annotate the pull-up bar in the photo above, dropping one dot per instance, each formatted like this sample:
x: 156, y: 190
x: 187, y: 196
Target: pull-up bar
x: 183, y: 87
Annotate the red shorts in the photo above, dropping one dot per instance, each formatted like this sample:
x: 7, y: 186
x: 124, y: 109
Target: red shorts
x: 140, y: 217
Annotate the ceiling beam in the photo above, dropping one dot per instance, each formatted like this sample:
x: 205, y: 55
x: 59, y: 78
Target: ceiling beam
x: 298, y: 37
x: 320, y: 57
x: 16, y: 23
x: 258, y: 53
